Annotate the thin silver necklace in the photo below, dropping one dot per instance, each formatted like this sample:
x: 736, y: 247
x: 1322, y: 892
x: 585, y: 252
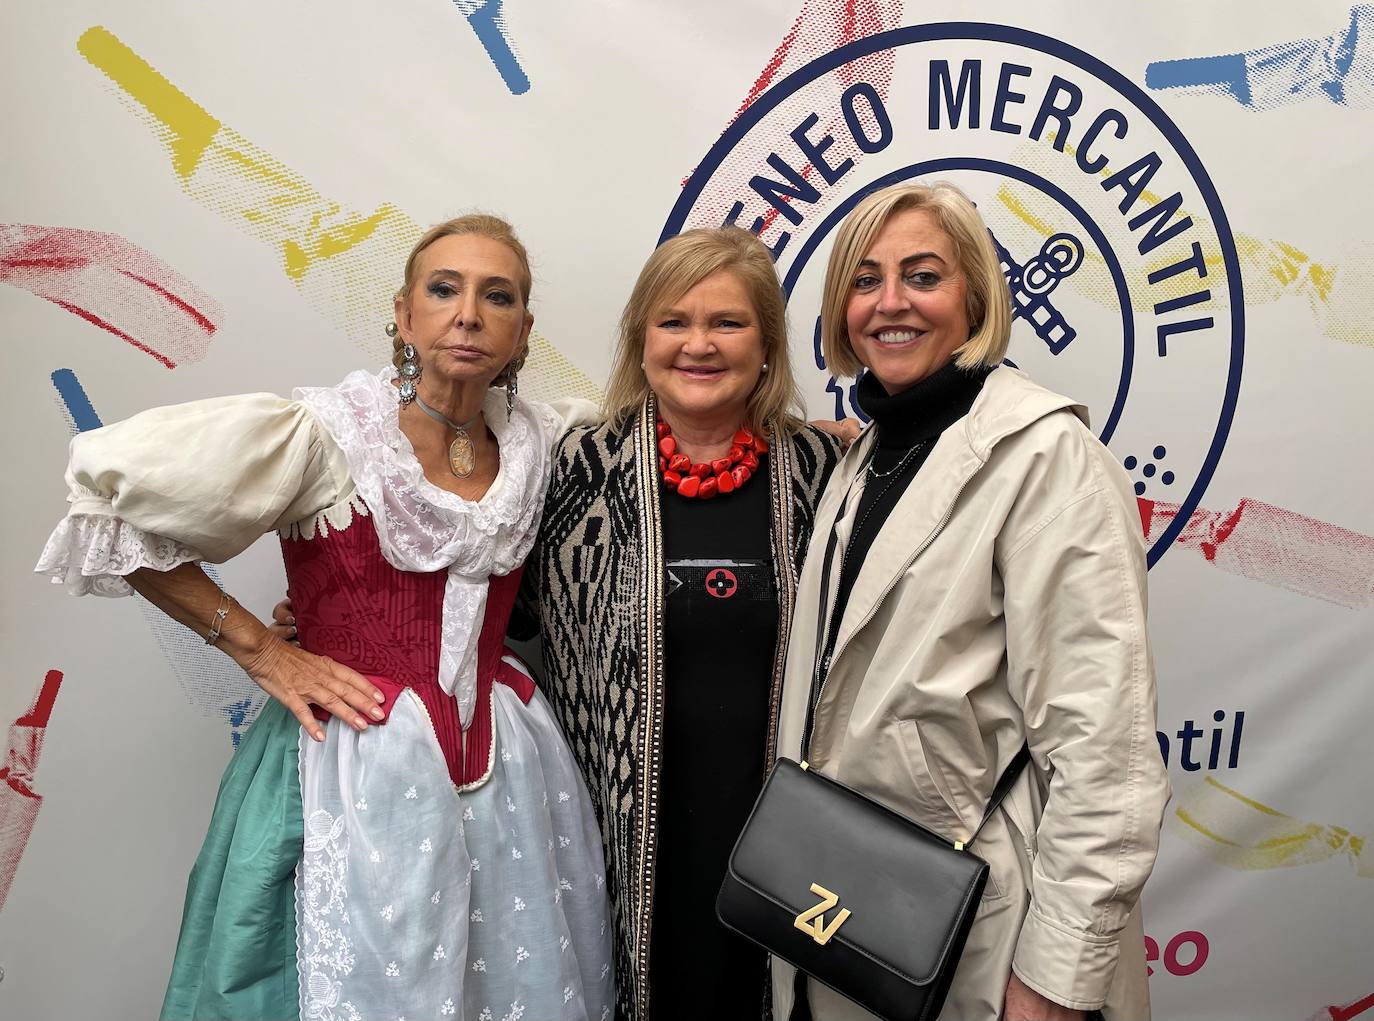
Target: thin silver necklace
x: 462, y: 456
x: 874, y: 473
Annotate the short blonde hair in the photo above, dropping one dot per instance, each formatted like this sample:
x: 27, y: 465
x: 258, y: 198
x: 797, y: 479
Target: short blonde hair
x: 675, y: 267
x: 480, y: 225
x: 987, y: 298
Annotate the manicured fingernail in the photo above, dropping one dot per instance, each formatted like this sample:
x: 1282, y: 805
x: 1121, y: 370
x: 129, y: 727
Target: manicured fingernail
x: 360, y: 723
x: 318, y: 735
x: 379, y: 696
x: 377, y: 714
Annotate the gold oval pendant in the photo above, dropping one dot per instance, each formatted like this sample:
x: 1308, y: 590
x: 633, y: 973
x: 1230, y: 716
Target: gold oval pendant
x: 462, y: 459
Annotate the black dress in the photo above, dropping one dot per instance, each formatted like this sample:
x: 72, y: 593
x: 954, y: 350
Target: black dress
x: 720, y: 632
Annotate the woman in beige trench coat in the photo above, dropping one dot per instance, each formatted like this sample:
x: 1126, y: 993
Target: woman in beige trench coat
x: 987, y: 590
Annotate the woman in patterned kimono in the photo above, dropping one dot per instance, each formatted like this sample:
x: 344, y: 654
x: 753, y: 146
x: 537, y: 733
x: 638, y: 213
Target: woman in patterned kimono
x: 426, y: 847
x: 672, y: 539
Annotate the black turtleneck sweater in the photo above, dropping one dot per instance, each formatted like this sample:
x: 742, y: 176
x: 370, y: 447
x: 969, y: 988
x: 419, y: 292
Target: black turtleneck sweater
x: 908, y: 424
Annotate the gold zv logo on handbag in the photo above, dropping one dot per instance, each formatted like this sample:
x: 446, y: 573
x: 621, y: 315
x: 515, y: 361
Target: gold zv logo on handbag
x: 812, y: 920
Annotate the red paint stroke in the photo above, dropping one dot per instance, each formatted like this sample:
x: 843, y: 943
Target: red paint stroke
x: 770, y: 69
x: 95, y: 320
x: 828, y: 29
x: 1268, y: 544
x: 204, y: 323
x: 19, y: 803
x: 114, y: 285
x: 820, y: 27
x: 1351, y: 1010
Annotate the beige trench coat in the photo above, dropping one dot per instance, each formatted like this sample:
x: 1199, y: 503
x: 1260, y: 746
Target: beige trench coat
x: 1003, y: 601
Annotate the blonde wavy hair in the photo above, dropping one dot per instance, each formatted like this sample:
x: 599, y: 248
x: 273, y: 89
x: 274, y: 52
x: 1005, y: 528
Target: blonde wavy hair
x: 479, y: 225
x: 986, y: 295
x: 678, y: 265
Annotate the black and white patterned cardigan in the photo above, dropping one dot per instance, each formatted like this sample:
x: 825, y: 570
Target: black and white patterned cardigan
x: 600, y: 577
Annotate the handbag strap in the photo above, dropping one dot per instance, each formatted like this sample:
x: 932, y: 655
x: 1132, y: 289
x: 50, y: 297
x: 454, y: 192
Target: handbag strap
x: 825, y: 636
x: 821, y: 667
x: 1004, y: 784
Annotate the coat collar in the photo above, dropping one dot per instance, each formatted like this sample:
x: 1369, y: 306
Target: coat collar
x: 1008, y: 403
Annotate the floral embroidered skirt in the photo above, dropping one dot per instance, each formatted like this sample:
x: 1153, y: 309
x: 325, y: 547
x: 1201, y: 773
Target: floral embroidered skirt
x: 350, y: 881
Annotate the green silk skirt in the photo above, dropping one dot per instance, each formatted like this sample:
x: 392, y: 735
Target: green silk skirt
x: 236, y: 954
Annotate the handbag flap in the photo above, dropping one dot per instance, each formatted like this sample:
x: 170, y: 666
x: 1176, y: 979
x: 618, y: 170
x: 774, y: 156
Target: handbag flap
x: 904, y: 888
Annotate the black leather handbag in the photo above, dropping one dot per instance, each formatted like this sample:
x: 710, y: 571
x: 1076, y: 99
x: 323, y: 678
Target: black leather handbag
x: 857, y: 896
x: 860, y: 898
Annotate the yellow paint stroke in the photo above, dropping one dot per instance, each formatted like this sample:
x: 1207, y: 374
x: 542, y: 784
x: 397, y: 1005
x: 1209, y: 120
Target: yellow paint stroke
x: 346, y: 264
x: 1341, y: 297
x: 1241, y: 833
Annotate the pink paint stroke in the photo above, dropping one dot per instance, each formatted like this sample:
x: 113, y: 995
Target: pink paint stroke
x: 19, y: 803
x: 113, y: 284
x: 1268, y: 544
x: 820, y: 27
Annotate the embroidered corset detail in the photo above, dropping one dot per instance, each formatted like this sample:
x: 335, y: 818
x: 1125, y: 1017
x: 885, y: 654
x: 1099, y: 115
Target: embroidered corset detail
x: 351, y: 605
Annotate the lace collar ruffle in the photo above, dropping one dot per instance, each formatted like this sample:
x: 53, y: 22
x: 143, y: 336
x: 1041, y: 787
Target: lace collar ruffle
x: 422, y: 527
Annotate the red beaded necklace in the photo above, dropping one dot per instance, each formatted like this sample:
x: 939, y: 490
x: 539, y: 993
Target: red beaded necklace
x: 709, y: 478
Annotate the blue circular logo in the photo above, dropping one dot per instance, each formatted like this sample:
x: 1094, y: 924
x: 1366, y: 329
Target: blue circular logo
x: 1124, y: 276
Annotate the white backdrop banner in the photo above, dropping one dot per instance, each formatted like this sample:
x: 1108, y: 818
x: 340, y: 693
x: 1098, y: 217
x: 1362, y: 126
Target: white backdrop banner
x: 202, y: 199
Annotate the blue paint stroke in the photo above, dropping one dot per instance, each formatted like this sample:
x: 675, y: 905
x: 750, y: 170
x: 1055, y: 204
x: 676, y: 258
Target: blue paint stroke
x: 239, y: 715
x: 209, y: 681
x: 1338, y: 67
x: 74, y: 397
x: 489, y: 23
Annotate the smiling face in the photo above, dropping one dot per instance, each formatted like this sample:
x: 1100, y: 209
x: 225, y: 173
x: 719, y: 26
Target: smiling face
x: 703, y: 353
x: 907, y: 311
x: 464, y: 312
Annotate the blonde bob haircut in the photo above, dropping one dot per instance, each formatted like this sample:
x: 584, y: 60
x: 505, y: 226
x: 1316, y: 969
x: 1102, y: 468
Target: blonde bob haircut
x: 477, y: 225
x: 678, y: 265
x: 986, y: 293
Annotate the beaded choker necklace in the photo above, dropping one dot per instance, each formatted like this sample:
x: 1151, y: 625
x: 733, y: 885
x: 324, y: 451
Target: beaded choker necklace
x: 709, y: 478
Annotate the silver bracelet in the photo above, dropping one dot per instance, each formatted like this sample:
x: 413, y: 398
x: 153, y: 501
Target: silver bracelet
x: 217, y: 622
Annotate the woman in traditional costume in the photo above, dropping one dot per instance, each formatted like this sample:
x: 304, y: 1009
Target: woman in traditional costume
x: 403, y: 832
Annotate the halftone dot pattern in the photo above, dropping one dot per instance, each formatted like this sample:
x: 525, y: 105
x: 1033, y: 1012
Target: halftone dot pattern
x: 1339, y: 292
x: 820, y: 27
x: 19, y: 798
x: 488, y: 22
x: 1275, y: 546
x: 1240, y: 833
x: 1331, y: 68
x: 115, y: 286
x: 345, y: 263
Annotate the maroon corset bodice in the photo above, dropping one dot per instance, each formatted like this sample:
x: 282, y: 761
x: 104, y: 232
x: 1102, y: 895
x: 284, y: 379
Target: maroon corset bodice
x: 351, y: 605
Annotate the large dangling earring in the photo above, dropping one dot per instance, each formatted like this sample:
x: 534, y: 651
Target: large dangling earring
x: 410, y: 367
x: 512, y: 388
